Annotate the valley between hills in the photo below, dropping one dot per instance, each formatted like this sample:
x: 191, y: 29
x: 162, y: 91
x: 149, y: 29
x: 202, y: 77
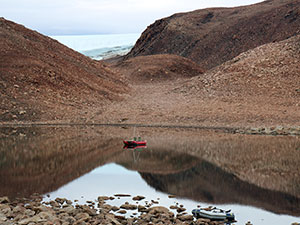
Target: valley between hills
x: 233, y: 70
x: 256, y: 86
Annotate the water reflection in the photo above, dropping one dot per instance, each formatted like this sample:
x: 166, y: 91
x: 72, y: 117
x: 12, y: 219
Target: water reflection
x: 41, y: 160
x: 44, y: 159
x: 190, y: 177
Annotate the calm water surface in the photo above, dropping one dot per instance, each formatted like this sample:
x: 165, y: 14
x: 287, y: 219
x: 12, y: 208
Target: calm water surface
x: 82, y: 163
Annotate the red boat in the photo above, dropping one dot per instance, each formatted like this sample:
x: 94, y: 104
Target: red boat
x: 134, y: 143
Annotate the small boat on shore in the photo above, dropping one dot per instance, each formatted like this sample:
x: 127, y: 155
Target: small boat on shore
x: 135, y: 147
x: 136, y: 142
x: 213, y: 214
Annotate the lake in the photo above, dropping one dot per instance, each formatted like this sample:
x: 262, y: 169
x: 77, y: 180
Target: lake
x: 257, y: 177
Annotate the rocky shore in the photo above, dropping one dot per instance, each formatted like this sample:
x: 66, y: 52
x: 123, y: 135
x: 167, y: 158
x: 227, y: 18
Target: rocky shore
x: 62, y: 211
x: 278, y: 130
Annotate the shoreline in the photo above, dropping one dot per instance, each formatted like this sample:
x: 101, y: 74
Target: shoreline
x: 274, y: 130
x: 34, y: 210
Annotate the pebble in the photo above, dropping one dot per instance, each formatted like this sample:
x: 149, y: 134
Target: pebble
x: 122, y: 211
x: 138, y: 198
x: 122, y: 195
x: 103, y: 198
x: 128, y: 206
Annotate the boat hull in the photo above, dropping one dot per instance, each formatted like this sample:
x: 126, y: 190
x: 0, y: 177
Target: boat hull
x: 134, y: 143
x: 213, y: 214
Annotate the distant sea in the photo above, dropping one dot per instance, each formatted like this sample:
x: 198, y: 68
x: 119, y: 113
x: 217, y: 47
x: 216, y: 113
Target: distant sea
x: 99, y: 46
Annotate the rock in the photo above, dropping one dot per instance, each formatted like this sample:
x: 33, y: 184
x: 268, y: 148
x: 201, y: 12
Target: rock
x: 29, y: 212
x: 202, y: 221
x: 122, y: 211
x: 123, y: 119
x: 61, y: 200
x: 4, y: 200
x: 161, y: 210
x: 103, y: 198
x: 40, y: 218
x: 41, y: 208
x: 2, y: 217
x: 181, y: 209
x: 248, y: 223
x: 154, y: 202
x: 130, y: 221
x: 48, y: 216
x: 146, y: 217
x: 173, y: 207
x: 120, y: 218
x: 106, y: 207
x: 115, y: 208
x: 142, y: 208
x: 69, y: 202
x: 69, y: 210
x: 122, y: 195
x: 70, y: 219
x: 80, y: 222
x: 128, y: 206
x: 6, y: 210
x: 19, y: 209
x: 82, y: 216
x: 54, y: 204
x: 179, y: 222
x: 88, y: 210
x: 138, y: 198
x: 111, y: 219
x: 185, y: 217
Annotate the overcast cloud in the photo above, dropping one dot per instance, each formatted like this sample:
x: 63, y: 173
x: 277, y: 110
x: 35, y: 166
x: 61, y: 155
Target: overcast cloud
x: 56, y: 17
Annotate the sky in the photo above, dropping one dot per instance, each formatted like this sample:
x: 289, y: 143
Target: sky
x: 77, y: 17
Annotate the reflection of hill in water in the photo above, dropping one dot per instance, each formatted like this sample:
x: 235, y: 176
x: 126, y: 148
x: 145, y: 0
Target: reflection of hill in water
x: 208, y: 183
x: 202, y: 181
x: 157, y: 162
x: 42, y: 160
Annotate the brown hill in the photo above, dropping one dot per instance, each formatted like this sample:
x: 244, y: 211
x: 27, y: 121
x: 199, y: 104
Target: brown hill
x: 262, y: 84
x: 271, y: 70
x: 258, y: 88
x: 40, y: 79
x: 213, y: 36
x: 159, y: 68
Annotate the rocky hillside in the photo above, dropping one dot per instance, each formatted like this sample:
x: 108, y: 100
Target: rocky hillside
x: 158, y: 68
x: 271, y: 70
x: 215, y: 35
x: 41, y: 79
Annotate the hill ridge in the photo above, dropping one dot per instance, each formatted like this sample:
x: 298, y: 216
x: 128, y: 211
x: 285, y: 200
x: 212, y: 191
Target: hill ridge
x: 214, y: 35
